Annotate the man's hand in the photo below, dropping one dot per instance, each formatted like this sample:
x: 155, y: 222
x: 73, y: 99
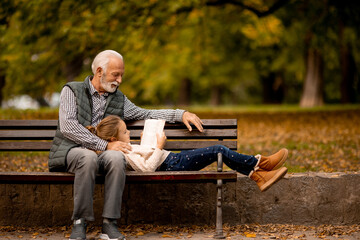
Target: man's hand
x: 119, y: 146
x: 189, y: 117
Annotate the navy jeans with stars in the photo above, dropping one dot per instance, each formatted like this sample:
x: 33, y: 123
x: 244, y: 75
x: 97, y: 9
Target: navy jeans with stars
x: 197, y: 159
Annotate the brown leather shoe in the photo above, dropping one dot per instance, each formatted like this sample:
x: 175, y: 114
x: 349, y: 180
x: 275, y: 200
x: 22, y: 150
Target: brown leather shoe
x: 274, y: 161
x: 265, y: 179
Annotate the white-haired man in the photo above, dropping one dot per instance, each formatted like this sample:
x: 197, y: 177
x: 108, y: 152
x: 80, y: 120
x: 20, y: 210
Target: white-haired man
x: 86, y: 103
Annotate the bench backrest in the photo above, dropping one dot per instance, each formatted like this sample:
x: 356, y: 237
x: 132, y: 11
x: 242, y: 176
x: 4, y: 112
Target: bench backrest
x: 37, y: 135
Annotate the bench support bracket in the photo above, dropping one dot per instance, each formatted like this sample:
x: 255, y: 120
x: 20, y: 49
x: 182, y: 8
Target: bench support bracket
x: 219, y: 234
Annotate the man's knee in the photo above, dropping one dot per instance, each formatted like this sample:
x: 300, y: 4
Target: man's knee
x: 113, y: 160
x: 86, y: 159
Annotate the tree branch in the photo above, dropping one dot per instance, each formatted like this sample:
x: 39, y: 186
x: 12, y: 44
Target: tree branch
x: 277, y: 5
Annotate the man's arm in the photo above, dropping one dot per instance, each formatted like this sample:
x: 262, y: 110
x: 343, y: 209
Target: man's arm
x: 70, y: 126
x: 133, y: 112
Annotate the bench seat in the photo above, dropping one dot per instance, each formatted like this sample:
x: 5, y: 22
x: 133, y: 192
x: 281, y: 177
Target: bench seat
x: 131, y: 177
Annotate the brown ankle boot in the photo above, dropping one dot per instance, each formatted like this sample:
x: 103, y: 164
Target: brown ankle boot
x: 274, y: 161
x: 265, y: 179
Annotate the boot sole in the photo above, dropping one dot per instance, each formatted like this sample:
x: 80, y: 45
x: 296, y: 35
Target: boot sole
x: 280, y: 174
x: 282, y: 161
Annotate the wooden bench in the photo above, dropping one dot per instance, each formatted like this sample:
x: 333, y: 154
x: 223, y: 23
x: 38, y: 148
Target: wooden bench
x: 37, y: 135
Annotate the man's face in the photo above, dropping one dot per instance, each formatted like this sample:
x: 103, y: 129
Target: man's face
x: 111, y: 79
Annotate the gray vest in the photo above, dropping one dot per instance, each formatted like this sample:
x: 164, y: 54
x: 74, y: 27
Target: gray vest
x: 61, y: 145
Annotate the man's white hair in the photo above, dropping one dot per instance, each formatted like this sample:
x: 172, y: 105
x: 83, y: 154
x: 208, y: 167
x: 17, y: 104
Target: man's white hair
x: 102, y: 59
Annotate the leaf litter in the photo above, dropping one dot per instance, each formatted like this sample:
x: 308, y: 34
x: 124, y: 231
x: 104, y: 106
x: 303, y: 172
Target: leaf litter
x: 267, y: 231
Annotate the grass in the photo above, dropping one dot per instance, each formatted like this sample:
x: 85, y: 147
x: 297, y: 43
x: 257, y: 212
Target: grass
x: 272, y: 108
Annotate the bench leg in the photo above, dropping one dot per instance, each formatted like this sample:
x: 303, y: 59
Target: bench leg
x: 219, y: 234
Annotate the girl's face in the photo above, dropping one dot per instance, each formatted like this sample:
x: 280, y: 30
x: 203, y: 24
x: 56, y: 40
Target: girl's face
x: 124, y: 134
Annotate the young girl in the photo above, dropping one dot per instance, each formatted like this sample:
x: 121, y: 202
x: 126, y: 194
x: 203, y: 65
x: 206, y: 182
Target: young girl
x: 265, y: 171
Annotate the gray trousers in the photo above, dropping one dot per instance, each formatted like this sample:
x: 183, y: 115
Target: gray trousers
x: 85, y: 164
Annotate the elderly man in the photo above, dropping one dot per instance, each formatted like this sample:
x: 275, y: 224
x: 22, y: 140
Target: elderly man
x: 73, y: 150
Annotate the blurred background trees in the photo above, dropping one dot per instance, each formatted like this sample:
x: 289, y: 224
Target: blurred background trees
x: 187, y: 51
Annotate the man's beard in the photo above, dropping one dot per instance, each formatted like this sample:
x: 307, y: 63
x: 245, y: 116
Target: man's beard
x: 108, y: 86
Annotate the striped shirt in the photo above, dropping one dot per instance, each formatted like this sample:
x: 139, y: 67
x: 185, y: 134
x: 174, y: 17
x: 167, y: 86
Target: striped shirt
x: 73, y: 130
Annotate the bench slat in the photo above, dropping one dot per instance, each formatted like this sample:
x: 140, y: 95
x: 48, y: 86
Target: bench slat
x: 170, y: 133
x: 27, y: 134
x: 51, y: 124
x: 131, y: 177
x: 207, y: 123
x: 37, y: 124
x: 170, y: 145
x: 187, y: 145
x: 185, y: 134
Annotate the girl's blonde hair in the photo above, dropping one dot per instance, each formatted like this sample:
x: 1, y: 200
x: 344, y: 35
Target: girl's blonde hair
x: 107, y: 128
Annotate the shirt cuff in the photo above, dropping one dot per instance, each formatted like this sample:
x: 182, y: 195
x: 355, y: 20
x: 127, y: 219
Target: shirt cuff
x: 101, y: 145
x: 179, y: 114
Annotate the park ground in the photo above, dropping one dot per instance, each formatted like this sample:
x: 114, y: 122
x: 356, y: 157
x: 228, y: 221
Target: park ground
x: 150, y: 232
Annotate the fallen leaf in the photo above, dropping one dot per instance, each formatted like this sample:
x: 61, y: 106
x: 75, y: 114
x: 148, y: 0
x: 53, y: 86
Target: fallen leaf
x: 250, y: 235
x: 166, y: 236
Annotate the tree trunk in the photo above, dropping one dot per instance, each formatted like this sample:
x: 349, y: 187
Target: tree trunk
x: 215, y: 95
x: 185, y: 92
x: 313, y: 87
x: 273, y: 88
x: 2, y: 85
x: 73, y: 68
x: 348, y: 70
x: 348, y: 76
x: 42, y: 102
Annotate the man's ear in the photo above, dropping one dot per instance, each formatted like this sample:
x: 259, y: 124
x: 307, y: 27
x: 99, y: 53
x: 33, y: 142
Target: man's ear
x: 99, y: 71
x: 113, y: 139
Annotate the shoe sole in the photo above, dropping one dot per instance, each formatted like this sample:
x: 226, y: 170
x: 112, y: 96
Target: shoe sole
x: 280, y: 174
x: 283, y: 159
x: 106, y: 237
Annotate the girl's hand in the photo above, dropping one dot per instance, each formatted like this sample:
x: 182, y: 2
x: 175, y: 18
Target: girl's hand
x: 161, y: 140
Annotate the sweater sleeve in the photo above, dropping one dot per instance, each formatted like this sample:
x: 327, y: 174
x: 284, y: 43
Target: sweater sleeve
x: 145, y: 161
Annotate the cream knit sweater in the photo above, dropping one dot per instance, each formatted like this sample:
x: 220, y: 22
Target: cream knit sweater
x: 145, y: 159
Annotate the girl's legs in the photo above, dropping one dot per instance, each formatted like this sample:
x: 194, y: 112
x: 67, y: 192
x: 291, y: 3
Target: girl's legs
x: 265, y: 171
x: 197, y: 159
